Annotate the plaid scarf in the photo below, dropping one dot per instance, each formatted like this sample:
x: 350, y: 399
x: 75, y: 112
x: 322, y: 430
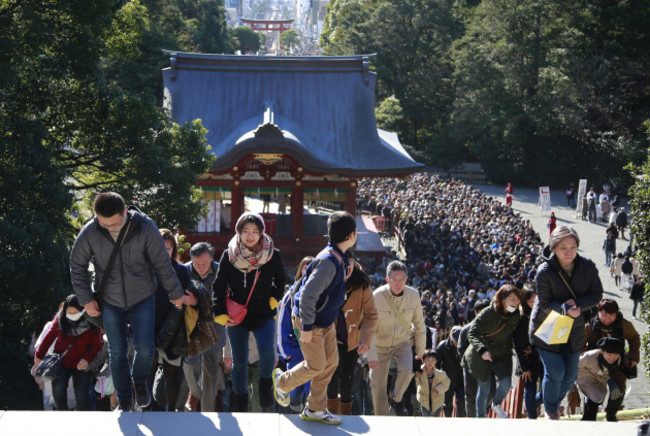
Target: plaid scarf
x: 247, y: 260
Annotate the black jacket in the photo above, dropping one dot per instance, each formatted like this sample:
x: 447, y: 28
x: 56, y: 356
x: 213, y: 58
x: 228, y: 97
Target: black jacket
x: 163, y: 305
x: 552, y: 293
x: 172, y: 336
x: 527, y: 362
x: 450, y: 362
x: 269, y: 284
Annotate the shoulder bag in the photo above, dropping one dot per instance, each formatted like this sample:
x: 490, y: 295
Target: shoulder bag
x: 236, y: 311
x: 97, y: 320
x: 51, y: 367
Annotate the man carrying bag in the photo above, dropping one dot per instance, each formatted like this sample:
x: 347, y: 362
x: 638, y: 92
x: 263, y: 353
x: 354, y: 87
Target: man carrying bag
x: 128, y: 295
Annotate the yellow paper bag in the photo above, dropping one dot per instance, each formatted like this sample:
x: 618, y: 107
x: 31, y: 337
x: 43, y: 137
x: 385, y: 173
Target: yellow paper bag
x: 555, y: 329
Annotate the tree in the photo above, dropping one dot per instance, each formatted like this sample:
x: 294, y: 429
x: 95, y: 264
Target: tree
x: 66, y: 132
x: 248, y: 41
x: 640, y: 232
x: 412, y: 40
x: 289, y: 39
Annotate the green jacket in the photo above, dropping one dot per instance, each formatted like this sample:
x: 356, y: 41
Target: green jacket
x: 491, y: 332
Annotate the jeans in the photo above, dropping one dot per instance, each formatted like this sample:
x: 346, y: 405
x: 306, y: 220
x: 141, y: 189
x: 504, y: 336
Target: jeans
x: 425, y: 412
x: 531, y: 399
x: 81, y: 383
x: 636, y: 303
x: 560, y: 372
x: 141, y: 317
x: 608, y: 257
x: 265, y: 338
x: 503, y: 386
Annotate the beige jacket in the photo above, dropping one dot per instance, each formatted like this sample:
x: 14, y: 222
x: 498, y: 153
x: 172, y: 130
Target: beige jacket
x: 592, y: 379
x: 390, y: 332
x: 440, y: 384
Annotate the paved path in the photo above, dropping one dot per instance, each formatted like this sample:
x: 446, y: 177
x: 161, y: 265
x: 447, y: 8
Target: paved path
x: 592, y: 236
x: 273, y: 424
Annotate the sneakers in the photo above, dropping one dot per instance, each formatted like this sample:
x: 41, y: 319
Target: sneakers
x: 498, y: 410
x: 325, y: 417
x: 281, y: 396
x: 142, y: 397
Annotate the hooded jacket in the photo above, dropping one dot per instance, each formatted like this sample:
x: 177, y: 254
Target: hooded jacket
x: 141, y: 262
x: 552, y: 293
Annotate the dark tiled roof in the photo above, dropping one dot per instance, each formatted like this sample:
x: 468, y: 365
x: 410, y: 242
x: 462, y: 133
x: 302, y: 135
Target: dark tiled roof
x: 323, y: 107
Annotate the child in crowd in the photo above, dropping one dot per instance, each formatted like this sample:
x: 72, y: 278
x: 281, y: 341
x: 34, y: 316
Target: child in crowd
x: 432, y: 384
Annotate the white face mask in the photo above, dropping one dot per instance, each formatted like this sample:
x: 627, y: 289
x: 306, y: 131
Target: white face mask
x: 76, y: 316
x: 511, y: 308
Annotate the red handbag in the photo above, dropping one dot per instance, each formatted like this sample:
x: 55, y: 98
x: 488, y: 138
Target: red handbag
x: 236, y: 311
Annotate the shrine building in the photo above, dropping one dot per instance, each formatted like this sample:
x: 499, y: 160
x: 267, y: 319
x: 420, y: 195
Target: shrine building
x: 291, y: 136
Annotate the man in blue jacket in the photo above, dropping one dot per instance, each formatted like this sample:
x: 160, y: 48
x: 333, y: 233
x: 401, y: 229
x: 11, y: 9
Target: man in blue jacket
x: 317, y: 303
x: 128, y: 297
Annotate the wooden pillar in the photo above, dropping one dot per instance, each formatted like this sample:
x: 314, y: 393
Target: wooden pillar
x: 297, y: 200
x: 351, y: 199
x: 237, y: 206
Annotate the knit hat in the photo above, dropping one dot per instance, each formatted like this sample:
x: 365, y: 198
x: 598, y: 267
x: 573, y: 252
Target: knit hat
x: 250, y: 217
x: 610, y: 345
x: 455, y: 333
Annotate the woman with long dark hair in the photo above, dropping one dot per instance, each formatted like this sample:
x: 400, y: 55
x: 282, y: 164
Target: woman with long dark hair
x: 530, y: 366
x: 80, y: 341
x: 250, y: 270
x: 355, y: 327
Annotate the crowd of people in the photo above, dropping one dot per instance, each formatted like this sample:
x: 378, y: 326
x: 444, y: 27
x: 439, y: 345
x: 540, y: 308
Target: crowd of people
x: 411, y: 337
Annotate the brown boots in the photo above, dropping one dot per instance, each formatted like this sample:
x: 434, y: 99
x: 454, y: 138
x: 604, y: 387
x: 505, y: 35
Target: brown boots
x: 333, y: 405
x: 345, y: 408
x: 337, y: 407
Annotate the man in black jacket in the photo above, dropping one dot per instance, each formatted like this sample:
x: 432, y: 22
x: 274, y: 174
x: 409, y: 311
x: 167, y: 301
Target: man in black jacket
x: 128, y: 294
x: 450, y: 364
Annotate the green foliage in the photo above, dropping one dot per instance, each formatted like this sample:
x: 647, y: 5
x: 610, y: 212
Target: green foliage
x: 248, y: 41
x: 68, y: 130
x: 558, y: 87
x: 389, y: 114
x: 185, y: 25
x: 640, y: 232
x: 289, y: 39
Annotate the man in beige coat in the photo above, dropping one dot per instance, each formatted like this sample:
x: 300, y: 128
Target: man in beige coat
x: 395, y: 336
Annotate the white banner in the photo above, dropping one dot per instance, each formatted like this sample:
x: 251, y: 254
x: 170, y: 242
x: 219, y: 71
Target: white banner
x: 582, y: 190
x: 545, y: 198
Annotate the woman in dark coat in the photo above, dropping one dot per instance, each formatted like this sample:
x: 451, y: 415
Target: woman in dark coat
x: 568, y: 284
x: 490, y: 350
x: 530, y: 366
x: 250, y: 266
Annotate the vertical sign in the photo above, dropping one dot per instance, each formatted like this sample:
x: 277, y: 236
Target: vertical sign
x: 545, y: 198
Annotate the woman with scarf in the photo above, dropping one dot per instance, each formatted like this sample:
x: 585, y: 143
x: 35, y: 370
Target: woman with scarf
x: 80, y: 341
x: 252, y: 270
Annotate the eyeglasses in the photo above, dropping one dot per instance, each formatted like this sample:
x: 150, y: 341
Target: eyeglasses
x: 113, y: 225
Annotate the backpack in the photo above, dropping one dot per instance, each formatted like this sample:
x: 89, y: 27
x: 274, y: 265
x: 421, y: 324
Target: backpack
x: 627, y: 267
